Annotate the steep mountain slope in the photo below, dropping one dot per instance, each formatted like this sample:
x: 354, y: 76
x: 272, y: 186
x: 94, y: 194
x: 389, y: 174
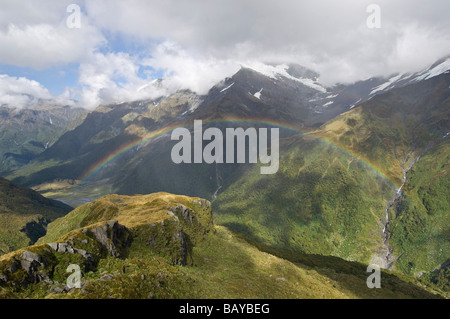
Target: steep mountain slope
x: 25, y: 133
x: 327, y: 201
x: 320, y: 103
x: 322, y: 201
x: 419, y: 230
x: 396, y: 131
x: 130, y: 246
x: 390, y: 126
x: 288, y: 94
x: 24, y: 215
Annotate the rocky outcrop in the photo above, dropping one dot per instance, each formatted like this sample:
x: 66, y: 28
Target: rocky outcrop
x: 27, y: 267
x: 115, y: 238
x: 168, y: 239
x: 84, y: 248
x: 197, y: 222
x: 184, y: 228
x: 66, y: 248
x: 172, y: 235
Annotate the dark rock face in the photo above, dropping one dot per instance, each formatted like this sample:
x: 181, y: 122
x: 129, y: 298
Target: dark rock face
x: 115, y: 238
x: 167, y: 238
x: 30, y: 263
x: 196, y: 224
x: 184, y: 250
x: 27, y: 268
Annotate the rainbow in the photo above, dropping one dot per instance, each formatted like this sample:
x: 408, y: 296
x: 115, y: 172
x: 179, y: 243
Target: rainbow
x: 154, y: 135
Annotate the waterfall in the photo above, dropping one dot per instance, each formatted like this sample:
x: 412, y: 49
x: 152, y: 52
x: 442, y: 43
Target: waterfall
x: 387, y: 258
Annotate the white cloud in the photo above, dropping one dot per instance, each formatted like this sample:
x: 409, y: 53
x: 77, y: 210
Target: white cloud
x: 24, y: 93
x: 112, y: 78
x: 185, y: 71
x: 330, y: 36
x: 197, y: 43
x: 35, y: 34
x: 43, y: 45
x: 25, y: 12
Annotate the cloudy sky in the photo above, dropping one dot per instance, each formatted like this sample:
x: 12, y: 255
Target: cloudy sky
x: 116, y: 48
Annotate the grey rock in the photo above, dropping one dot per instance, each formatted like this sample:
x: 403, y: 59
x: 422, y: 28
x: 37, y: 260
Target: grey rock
x: 85, y: 254
x: 30, y: 262
x: 62, y: 247
x: 174, y: 216
x: 15, y: 265
x: 106, y: 277
x: 30, y: 256
x: 151, y: 242
x: 113, y: 236
x: 57, y: 290
x: 65, y: 288
x: 28, y: 266
x: 184, y: 212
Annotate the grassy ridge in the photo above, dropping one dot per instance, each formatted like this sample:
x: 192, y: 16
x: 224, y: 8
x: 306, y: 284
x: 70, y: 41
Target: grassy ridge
x: 223, y: 264
x: 227, y: 266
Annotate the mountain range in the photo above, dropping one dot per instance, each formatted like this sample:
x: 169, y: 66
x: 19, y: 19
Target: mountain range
x: 363, y: 174
x: 25, y: 133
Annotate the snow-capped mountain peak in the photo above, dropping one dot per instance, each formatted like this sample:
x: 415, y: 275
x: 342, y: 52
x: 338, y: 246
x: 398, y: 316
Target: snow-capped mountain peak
x: 307, y: 78
x: 435, y: 70
x: 440, y: 67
